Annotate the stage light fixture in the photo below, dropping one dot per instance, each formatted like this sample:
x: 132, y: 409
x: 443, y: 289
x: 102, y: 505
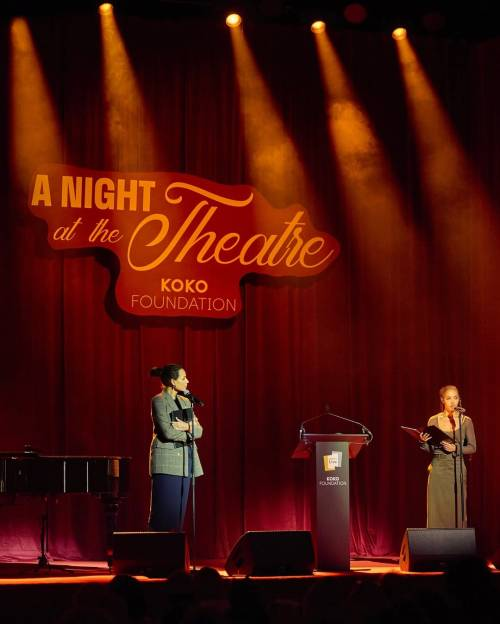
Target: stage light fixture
x: 233, y: 20
x: 318, y: 27
x: 399, y: 33
x: 105, y: 8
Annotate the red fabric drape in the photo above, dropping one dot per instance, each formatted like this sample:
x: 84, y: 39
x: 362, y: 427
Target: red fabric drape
x: 74, y: 370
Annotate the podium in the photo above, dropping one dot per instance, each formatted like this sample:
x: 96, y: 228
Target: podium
x: 332, y: 452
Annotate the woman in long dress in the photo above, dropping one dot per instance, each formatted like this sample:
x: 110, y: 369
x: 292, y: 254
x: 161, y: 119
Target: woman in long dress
x: 447, y: 483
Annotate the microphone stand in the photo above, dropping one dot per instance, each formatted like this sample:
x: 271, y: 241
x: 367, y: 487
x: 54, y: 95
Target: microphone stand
x: 455, y: 486
x: 193, y: 482
x: 194, y: 401
x: 461, y: 460
x: 460, y: 455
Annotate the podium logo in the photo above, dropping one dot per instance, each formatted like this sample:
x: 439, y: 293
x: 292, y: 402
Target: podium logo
x: 332, y: 461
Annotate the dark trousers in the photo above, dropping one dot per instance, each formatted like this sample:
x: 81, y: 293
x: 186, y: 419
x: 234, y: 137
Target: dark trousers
x: 169, y: 497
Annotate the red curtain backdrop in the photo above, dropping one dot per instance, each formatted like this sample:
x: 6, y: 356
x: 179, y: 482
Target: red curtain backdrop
x: 74, y: 369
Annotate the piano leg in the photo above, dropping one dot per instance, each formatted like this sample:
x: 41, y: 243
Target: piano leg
x: 111, y: 506
x: 43, y: 562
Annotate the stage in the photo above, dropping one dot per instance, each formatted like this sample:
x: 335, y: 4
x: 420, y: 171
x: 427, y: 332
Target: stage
x: 42, y: 595
x: 307, y: 223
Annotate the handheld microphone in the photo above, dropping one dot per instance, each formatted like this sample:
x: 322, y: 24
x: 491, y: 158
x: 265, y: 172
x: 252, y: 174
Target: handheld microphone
x: 460, y: 409
x: 189, y: 395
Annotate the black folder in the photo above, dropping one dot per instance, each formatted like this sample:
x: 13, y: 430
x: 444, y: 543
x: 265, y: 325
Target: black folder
x: 437, y: 435
x: 185, y: 414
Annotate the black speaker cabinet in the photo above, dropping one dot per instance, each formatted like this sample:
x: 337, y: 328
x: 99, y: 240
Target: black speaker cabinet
x: 424, y: 550
x: 272, y: 553
x: 149, y: 553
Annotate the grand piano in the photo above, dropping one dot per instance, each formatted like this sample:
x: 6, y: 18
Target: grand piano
x: 33, y: 474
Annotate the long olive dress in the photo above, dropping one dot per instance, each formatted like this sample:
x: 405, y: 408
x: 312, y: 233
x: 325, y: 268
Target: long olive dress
x: 444, y: 508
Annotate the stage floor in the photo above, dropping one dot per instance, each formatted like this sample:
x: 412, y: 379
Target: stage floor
x: 66, y: 571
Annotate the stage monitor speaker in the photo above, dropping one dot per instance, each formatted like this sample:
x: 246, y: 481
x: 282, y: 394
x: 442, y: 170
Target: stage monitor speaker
x: 425, y: 550
x: 149, y: 553
x: 272, y: 553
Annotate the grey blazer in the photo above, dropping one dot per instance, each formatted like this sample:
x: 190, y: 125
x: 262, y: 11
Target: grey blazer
x: 169, y: 447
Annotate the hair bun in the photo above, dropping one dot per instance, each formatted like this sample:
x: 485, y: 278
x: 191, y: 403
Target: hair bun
x: 156, y: 371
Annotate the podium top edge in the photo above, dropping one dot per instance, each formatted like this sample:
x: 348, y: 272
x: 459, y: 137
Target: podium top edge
x: 359, y: 438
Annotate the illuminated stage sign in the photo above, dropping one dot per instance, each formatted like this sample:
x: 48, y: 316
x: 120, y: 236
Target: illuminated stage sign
x: 183, y: 243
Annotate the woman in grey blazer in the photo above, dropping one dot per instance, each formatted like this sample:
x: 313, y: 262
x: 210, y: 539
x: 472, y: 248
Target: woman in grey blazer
x: 173, y: 453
